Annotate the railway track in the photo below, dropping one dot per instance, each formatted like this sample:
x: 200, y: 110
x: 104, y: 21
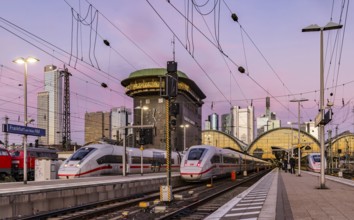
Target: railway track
x: 189, y: 200
x: 101, y: 208
x: 210, y: 202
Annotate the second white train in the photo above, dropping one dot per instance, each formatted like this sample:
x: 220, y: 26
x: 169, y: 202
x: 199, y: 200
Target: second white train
x: 312, y: 162
x: 202, y: 162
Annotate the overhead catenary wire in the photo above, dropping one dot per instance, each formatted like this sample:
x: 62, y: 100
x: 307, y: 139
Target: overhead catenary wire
x: 27, y: 33
x: 341, y: 47
x: 230, y: 71
x: 125, y: 35
x: 60, y: 60
x: 179, y: 40
x: 230, y: 75
x: 221, y: 51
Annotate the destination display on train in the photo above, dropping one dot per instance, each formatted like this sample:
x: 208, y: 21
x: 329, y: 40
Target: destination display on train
x: 18, y: 129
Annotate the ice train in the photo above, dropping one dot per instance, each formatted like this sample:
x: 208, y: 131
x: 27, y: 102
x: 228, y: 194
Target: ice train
x: 101, y: 158
x: 201, y: 162
x: 312, y: 162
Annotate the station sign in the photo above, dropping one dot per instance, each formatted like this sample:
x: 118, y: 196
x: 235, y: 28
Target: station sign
x: 18, y: 129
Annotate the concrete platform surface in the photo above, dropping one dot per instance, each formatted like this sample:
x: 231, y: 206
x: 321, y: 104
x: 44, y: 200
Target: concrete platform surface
x: 303, y: 200
x: 291, y: 197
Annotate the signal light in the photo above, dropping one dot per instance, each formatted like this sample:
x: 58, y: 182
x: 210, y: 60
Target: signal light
x: 171, y: 66
x: 145, y: 136
x: 173, y: 122
x: 174, y: 109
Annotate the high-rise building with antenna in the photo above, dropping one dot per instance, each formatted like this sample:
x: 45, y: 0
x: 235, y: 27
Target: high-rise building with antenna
x: 242, y: 123
x: 120, y: 117
x: 268, y: 121
x: 50, y: 105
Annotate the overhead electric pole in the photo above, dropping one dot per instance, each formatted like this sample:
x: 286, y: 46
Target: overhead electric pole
x: 66, y: 133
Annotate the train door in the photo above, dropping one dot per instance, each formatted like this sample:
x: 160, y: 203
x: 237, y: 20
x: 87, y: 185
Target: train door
x: 215, y: 162
x: 239, y: 163
x: 31, y: 158
x: 129, y: 161
x: 158, y: 160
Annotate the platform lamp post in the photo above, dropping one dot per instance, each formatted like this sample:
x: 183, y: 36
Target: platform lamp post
x: 24, y: 61
x: 184, y: 135
x: 298, y: 140
x: 142, y: 108
x: 312, y: 28
x: 292, y: 136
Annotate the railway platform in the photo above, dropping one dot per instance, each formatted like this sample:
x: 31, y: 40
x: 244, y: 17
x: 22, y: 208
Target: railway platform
x: 281, y: 195
x: 35, y: 197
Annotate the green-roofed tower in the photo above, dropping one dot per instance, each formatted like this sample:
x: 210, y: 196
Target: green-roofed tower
x: 144, y: 87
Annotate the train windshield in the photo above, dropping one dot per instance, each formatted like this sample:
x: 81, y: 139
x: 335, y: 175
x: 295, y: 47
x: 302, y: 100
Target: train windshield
x: 3, y: 153
x: 316, y: 158
x: 16, y: 153
x: 81, y: 153
x: 196, y: 153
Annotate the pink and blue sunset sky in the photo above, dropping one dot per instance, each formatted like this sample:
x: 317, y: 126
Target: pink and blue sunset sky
x: 287, y: 67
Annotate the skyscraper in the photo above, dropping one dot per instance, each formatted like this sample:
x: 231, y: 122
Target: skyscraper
x: 226, y: 123
x: 42, y: 115
x: 268, y: 121
x: 50, y: 105
x: 214, y: 121
x: 243, y: 123
x: 97, y: 126
x: 119, y: 118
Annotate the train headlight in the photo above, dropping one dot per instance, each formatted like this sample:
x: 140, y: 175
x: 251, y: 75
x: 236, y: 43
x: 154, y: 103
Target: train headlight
x: 199, y: 162
x: 77, y: 165
x: 65, y: 165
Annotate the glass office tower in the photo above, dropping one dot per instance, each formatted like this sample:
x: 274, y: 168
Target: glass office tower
x: 50, y: 105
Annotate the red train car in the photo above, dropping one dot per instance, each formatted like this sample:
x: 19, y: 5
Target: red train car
x: 32, y: 154
x: 5, y: 163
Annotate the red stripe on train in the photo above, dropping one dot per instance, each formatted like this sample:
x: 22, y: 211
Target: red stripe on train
x: 205, y: 171
x: 90, y: 171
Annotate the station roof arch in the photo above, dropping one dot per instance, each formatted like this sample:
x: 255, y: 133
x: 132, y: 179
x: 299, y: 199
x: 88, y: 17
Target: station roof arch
x: 342, y: 145
x: 273, y: 144
x: 222, y: 140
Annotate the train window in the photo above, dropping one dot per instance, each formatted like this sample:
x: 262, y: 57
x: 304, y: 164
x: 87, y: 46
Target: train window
x: 110, y: 159
x: 15, y: 154
x: 246, y: 161
x: 158, y: 161
x: 196, y: 153
x: 230, y: 160
x: 147, y: 160
x: 316, y: 158
x: 3, y: 153
x: 33, y: 154
x: 81, y: 153
x: 43, y: 154
x: 215, y: 159
x: 136, y: 160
